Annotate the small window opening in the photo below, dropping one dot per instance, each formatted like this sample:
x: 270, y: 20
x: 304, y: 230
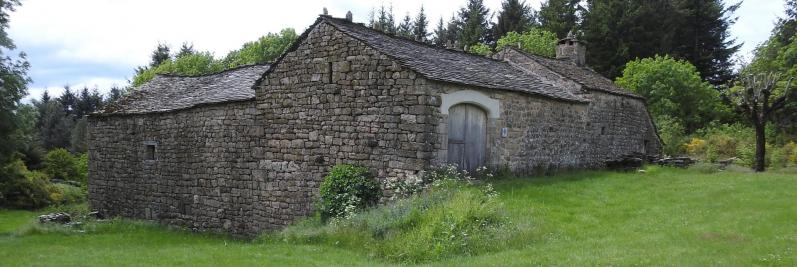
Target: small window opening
x: 603, y: 130
x: 149, y: 154
x: 330, y: 72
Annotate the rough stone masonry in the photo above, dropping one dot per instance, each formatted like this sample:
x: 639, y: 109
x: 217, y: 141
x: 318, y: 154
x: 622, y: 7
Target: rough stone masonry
x: 245, y: 150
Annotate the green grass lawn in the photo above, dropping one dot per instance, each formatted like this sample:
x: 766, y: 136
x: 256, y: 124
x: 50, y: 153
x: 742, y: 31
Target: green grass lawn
x: 662, y: 217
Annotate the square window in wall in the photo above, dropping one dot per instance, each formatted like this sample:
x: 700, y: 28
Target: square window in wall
x: 149, y: 152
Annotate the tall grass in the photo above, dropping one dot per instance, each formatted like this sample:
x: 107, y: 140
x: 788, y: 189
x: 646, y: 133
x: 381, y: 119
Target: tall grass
x: 449, y: 218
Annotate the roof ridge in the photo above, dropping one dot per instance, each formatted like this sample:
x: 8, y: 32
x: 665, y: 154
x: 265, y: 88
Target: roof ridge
x: 340, y: 20
x: 338, y: 23
x: 623, y: 91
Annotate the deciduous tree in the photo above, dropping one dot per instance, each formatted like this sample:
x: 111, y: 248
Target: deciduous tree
x: 758, y: 98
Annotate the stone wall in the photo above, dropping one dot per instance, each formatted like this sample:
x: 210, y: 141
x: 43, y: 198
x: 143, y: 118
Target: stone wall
x: 200, y: 176
x: 246, y: 167
x: 335, y: 100
x: 546, y: 135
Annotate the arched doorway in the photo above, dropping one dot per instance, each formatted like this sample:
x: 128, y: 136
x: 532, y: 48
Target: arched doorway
x: 467, y: 136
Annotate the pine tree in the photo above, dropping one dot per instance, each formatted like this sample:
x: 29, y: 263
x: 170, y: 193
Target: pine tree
x: 515, y: 16
x: 440, y: 34
x: 705, y: 38
x: 475, y: 23
x: 391, y: 21
x: 83, y: 105
x: 385, y: 21
x: 55, y: 126
x: 160, y: 55
x: 114, y: 94
x: 619, y: 31
x: 419, y: 31
x: 786, y: 27
x: 185, y: 49
x: 45, y: 96
x: 560, y: 16
x: 68, y: 101
x: 405, y: 27
x: 453, y: 31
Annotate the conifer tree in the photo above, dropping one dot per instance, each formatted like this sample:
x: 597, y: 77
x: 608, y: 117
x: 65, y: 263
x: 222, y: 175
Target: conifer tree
x: 515, y: 16
x: 185, y: 49
x: 405, y: 27
x: 419, y: 30
x: 159, y: 55
x: 453, y: 31
x: 704, y: 38
x: 475, y: 23
x: 559, y: 16
x: 440, y: 34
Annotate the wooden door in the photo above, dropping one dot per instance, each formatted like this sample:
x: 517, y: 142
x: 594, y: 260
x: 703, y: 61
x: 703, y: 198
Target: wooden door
x: 467, y: 132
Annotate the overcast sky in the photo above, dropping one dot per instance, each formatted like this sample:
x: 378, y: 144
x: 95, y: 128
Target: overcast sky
x: 99, y: 42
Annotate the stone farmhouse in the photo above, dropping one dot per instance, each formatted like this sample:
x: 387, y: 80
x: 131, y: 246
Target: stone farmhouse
x: 245, y: 150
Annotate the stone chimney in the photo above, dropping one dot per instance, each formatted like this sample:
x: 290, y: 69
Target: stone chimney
x: 349, y: 16
x: 572, y: 49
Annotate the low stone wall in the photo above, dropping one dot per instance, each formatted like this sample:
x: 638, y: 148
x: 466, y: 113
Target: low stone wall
x: 199, y: 176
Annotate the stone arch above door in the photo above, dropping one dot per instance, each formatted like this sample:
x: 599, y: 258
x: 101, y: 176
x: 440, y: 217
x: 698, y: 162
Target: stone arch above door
x: 489, y: 105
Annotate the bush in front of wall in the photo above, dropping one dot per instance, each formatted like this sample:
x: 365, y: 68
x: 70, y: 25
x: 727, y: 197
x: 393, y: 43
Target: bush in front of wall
x: 345, y: 190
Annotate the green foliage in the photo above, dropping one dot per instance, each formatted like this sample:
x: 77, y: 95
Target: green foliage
x: 534, y: 41
x: 449, y: 218
x: 405, y: 28
x: 14, y: 80
x: 345, y: 190
x: 420, y: 27
x: 672, y: 135
x: 60, y: 164
x: 560, y: 16
x: 82, y: 166
x: 24, y: 189
x: 674, y: 88
x: 67, y: 194
x: 515, y: 16
x: 480, y: 49
x: 474, y: 23
x: 266, y: 49
x: 193, y: 63
x: 619, y: 31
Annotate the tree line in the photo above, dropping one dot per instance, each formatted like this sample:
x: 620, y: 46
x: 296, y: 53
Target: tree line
x: 676, y: 53
x: 617, y: 31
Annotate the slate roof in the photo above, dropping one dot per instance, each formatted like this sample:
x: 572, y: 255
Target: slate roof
x: 452, y: 66
x: 171, y: 92
x: 582, y: 75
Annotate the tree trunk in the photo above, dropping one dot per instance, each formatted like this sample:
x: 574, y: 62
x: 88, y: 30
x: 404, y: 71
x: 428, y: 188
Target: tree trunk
x: 760, y: 147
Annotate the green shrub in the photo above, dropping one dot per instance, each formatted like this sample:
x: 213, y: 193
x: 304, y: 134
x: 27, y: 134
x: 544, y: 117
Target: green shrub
x: 68, y: 194
x: 24, y: 189
x: 784, y: 156
x: 346, y: 189
x: 60, y: 164
x: 83, y: 167
x: 449, y: 218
